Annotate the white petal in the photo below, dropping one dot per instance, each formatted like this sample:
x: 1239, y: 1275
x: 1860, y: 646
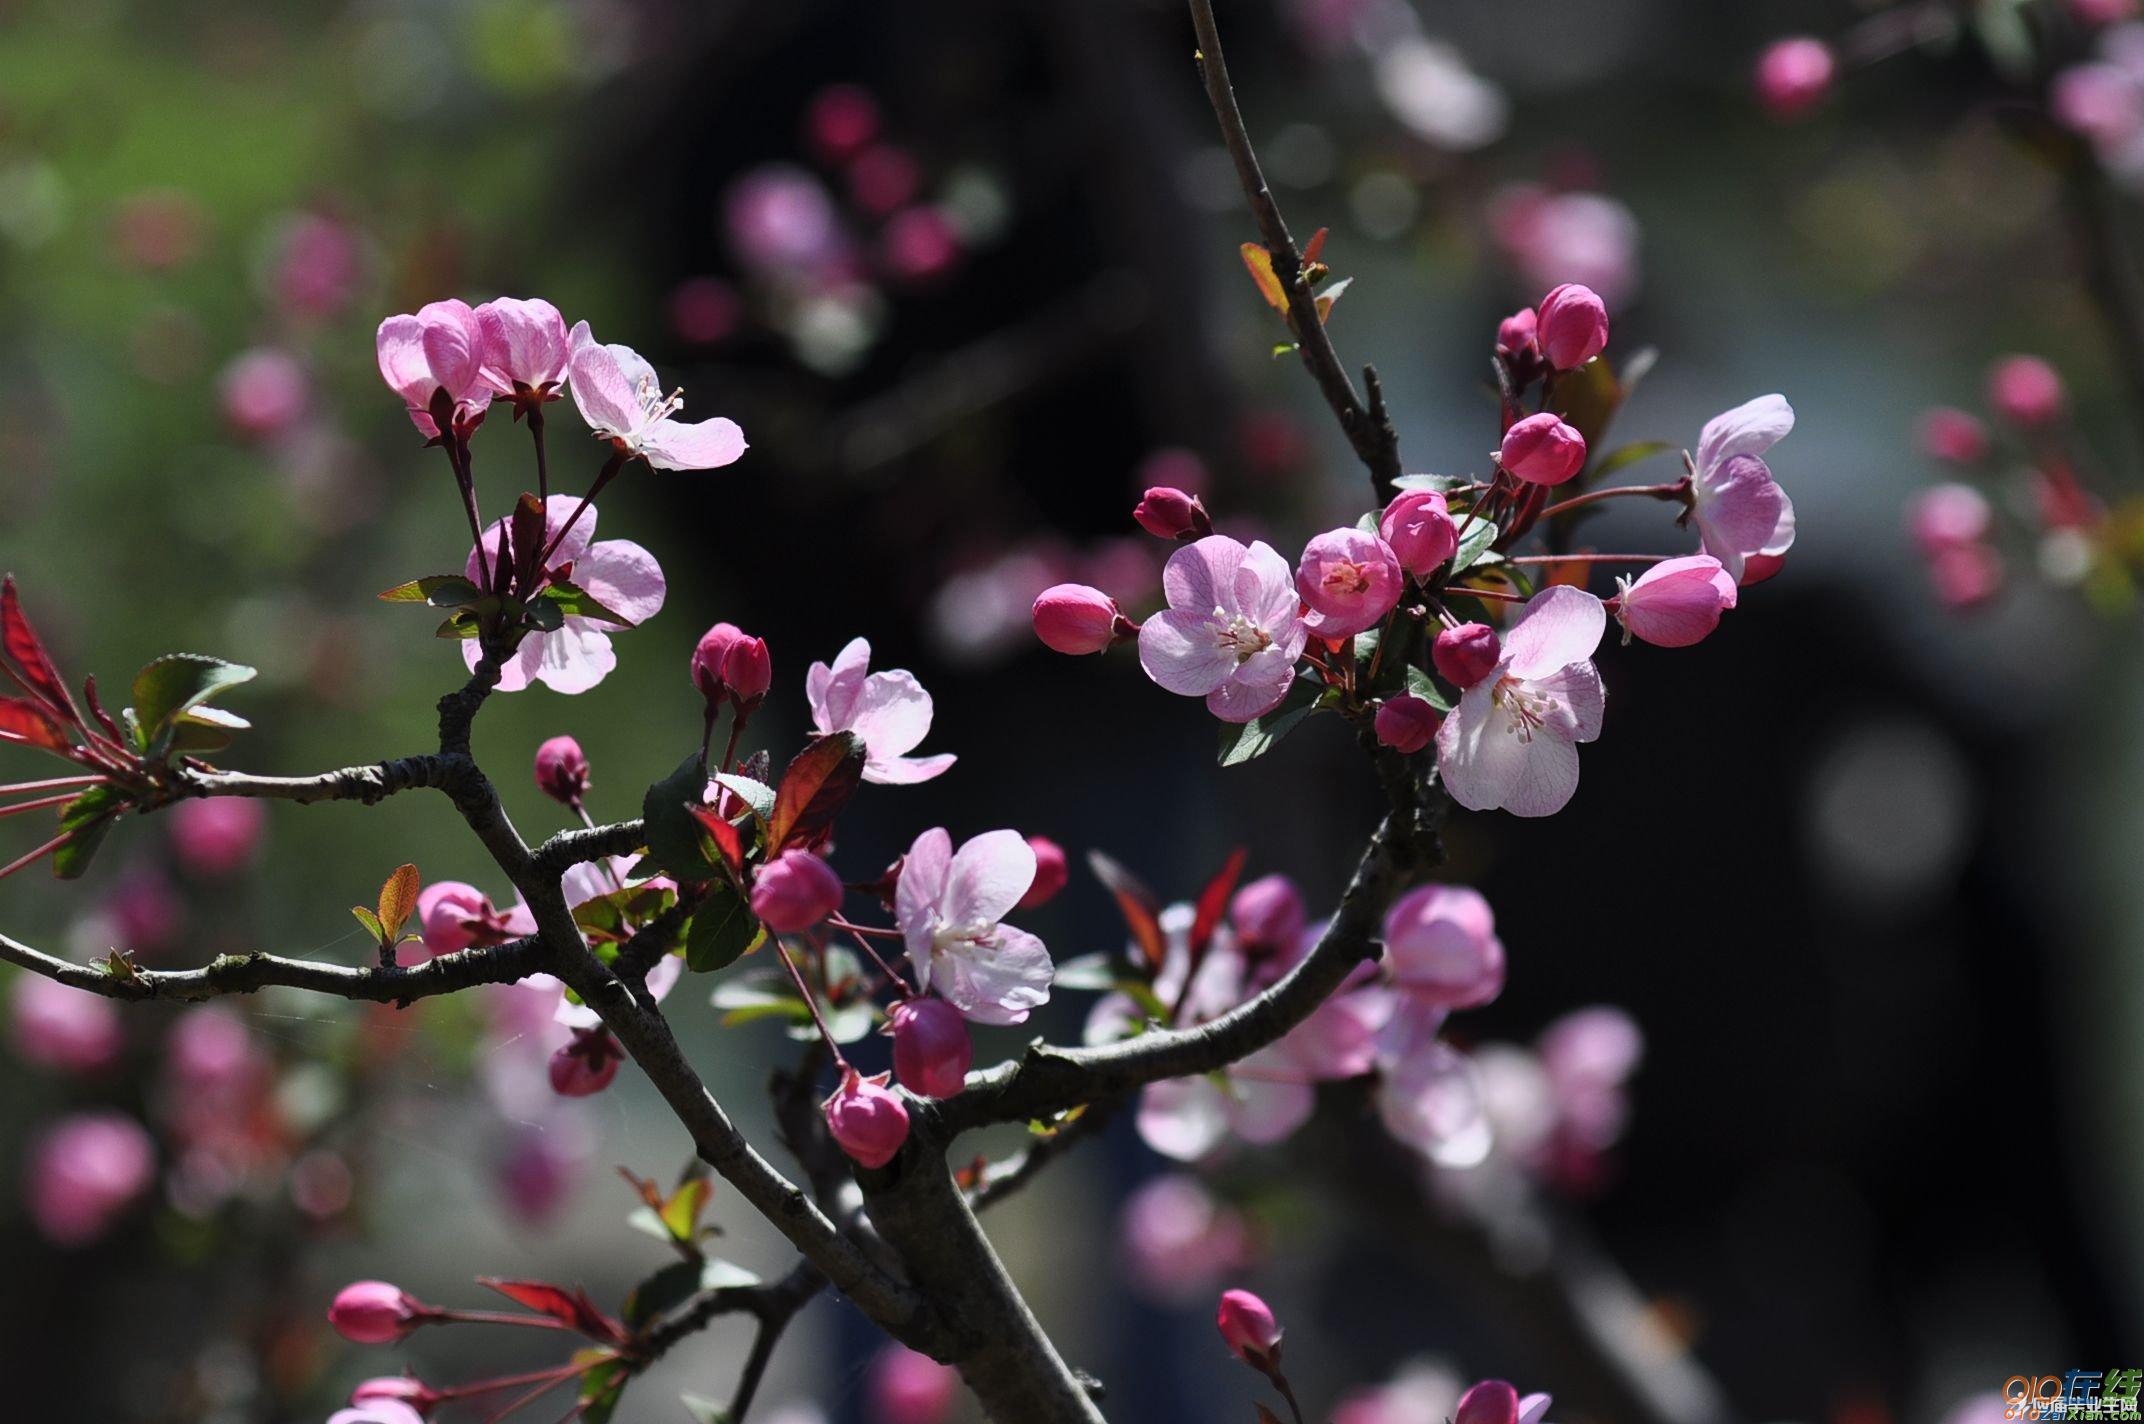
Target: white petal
x: 988, y: 876
x: 1183, y: 1118
x: 1749, y: 429
x: 907, y: 771
x: 682, y: 445
x: 891, y: 713
x: 575, y: 657
x: 1561, y: 625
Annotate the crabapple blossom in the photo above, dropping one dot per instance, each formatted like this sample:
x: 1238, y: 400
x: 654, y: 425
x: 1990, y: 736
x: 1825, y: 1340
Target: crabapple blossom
x: 1465, y: 654
x: 439, y: 349
x: 1231, y: 633
x: 215, y: 836
x: 524, y: 347
x: 1567, y: 236
x: 1052, y: 873
x: 949, y: 905
x: 401, y: 1388
x: 795, y: 891
x: 2103, y: 102
x: 1419, y: 527
x: 1430, y: 1098
x: 453, y: 915
x: 84, y: 1171
x: 562, y: 770
x: 1169, y: 513
x: 1589, y: 1056
x: 1954, y: 436
x: 1490, y: 1402
x: 1573, y: 326
x: 1740, y: 510
x: 730, y: 665
x: 867, y: 1119
x: 2026, y: 391
x: 622, y: 401
x: 1676, y: 602
x: 1543, y: 449
x: 378, y: 1411
x: 1178, y: 1240
x: 1268, y: 915
x: 1511, y: 743
x: 911, y: 1388
x: 931, y: 1049
x: 1073, y: 618
x: 1350, y: 580
x: 1441, y: 948
x: 586, y: 1064
x: 889, y: 710
x: 1406, y: 723
x: 264, y: 392
x: 1518, y: 335
x: 617, y: 573
x: 1966, y: 575
x: 56, y: 1026
x: 2102, y: 12
x: 374, y: 1313
x: 1794, y: 75
x: 1948, y: 515
x: 1247, y: 1326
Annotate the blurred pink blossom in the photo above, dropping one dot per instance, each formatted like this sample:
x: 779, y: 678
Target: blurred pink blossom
x: 84, y: 1171
x: 54, y: 1026
x: 216, y: 836
x: 264, y: 392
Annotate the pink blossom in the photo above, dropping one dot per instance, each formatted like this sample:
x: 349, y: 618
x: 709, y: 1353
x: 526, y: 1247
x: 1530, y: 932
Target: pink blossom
x: 2026, y: 391
x: 729, y: 664
x: 1947, y: 516
x: 1052, y: 873
x: 1542, y: 449
x: 931, y: 1048
x: 795, y: 891
x: 377, y: 1411
x: 586, y: 1064
x: 454, y: 915
x: 438, y: 349
x: 781, y: 219
x: 1553, y: 237
x: 315, y: 264
x: 1406, y: 724
x: 374, y: 1313
x: 1953, y: 436
x: 1441, y: 948
x: 950, y: 905
x: 216, y: 836
x: 1794, y: 75
x: 1512, y: 741
x: 867, y: 1119
x: 919, y: 244
x: 1676, y: 602
x: 1490, y: 1402
x: 1517, y: 335
x: 400, y: 1388
x: 1573, y: 326
x: 1075, y: 619
x: 1247, y: 1325
x: 1178, y: 1240
x: 1589, y: 1056
x: 617, y: 573
x: 1419, y: 527
x: 1966, y: 575
x: 1231, y: 633
x: 1739, y: 508
x: 537, y: 1167
x: 2103, y: 102
x: 1268, y: 915
x: 525, y: 347
x: 889, y: 710
x: 1169, y: 513
x: 910, y: 1388
x: 622, y: 401
x: 1430, y: 1098
x: 264, y: 392
x: 562, y: 770
x: 211, y: 1053
x: 84, y: 1171
x: 55, y: 1026
x: 1350, y: 580
x: 1465, y: 653
x: 840, y: 120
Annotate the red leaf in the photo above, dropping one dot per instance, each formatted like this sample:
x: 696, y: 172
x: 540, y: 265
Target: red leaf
x: 31, y: 722
x: 570, y: 1308
x: 1315, y: 246
x: 35, y: 664
x: 724, y: 835
x: 1213, y: 903
x: 1141, y: 911
x: 96, y: 710
x: 814, y: 789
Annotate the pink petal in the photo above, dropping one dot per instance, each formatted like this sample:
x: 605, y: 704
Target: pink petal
x: 1265, y: 1110
x: 892, y: 713
x: 833, y: 690
x: 1479, y: 757
x: 402, y: 364
x: 707, y: 445
x: 1561, y: 625
x: 451, y: 344
x: 575, y: 657
x: 1547, y: 777
x: 519, y: 671
x: 907, y: 771
x: 988, y: 876
x: 522, y: 340
x: 605, y: 396
x: 1739, y: 511
x: 1201, y: 577
x: 1183, y: 1118
x: 1431, y: 1101
x: 623, y: 577
x: 921, y: 886
x: 1181, y: 651
x: 1749, y: 429
x: 1579, y: 701
x: 1255, y: 689
x: 998, y: 982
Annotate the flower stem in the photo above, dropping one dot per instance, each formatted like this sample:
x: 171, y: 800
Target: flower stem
x: 604, y: 476
x: 1590, y: 558
x: 543, y: 463
x: 782, y: 952
x: 1675, y: 489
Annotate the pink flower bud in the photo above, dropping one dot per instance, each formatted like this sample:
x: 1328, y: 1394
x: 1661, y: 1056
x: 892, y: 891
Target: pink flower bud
x: 729, y: 664
x: 1794, y: 75
x: 1441, y: 947
x: 1466, y: 654
x: 1490, y: 1402
x: 867, y: 1119
x: 1515, y: 334
x: 445, y: 911
x: 931, y: 1051
x: 1418, y: 524
x: 55, y: 1026
x: 216, y: 835
x: 840, y: 120
x: 374, y: 1313
x: 1052, y: 873
x: 84, y: 1172
x: 909, y: 1388
x: 562, y: 771
x: 2025, y: 391
x: 1948, y: 515
x: 1350, y: 580
x: 1073, y: 618
x: 1247, y: 1325
x: 399, y: 1388
x: 1268, y: 915
x: 1574, y: 326
x: 795, y: 891
x: 920, y: 244
x: 587, y: 1065
x: 1966, y: 575
x: 1676, y: 602
x: 378, y: 1411
x: 1407, y: 724
x: 1543, y: 450
x: 1953, y: 436
x: 1168, y: 513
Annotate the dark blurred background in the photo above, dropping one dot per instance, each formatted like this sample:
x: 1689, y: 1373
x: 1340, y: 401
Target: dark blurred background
x: 1864, y: 871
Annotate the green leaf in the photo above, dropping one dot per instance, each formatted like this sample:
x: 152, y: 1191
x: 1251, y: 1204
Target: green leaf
x: 546, y: 616
x: 1422, y: 685
x: 175, y: 684
x: 1095, y: 972
x: 371, y: 922
x: 463, y: 623
x: 662, y: 1292
x: 1474, y: 549
x: 722, y: 930
x: 1241, y: 742
x: 435, y: 590
x: 673, y: 836
x: 756, y: 794
x: 90, y: 817
x: 705, y: 1411
x: 618, y: 913
x: 1366, y: 644
x: 577, y: 602
x: 1629, y: 455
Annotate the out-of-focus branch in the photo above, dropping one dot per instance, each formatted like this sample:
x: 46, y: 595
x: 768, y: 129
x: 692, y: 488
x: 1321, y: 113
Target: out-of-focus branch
x: 772, y: 1305
x: 245, y: 973
x: 1011, y: 1176
x: 1368, y: 429
x: 2109, y: 275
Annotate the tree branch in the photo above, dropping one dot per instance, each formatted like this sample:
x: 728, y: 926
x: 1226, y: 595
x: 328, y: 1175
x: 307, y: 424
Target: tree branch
x: 772, y: 1305
x: 579, y: 846
x: 245, y: 973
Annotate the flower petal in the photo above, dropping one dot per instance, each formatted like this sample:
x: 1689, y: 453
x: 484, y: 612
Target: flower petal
x: 1749, y: 429
x: 999, y: 980
x: 921, y: 886
x: 1547, y: 776
x: 1181, y: 651
x: 623, y: 577
x: 519, y: 672
x: 1579, y: 697
x: 602, y: 390
x: 1479, y: 755
x: 892, y: 713
x: 702, y: 445
x: 1201, y: 576
x: 907, y: 771
x: 833, y: 691
x: 1183, y: 1118
x: 1256, y: 688
x: 1561, y: 625
x: 989, y: 874
x: 573, y: 658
